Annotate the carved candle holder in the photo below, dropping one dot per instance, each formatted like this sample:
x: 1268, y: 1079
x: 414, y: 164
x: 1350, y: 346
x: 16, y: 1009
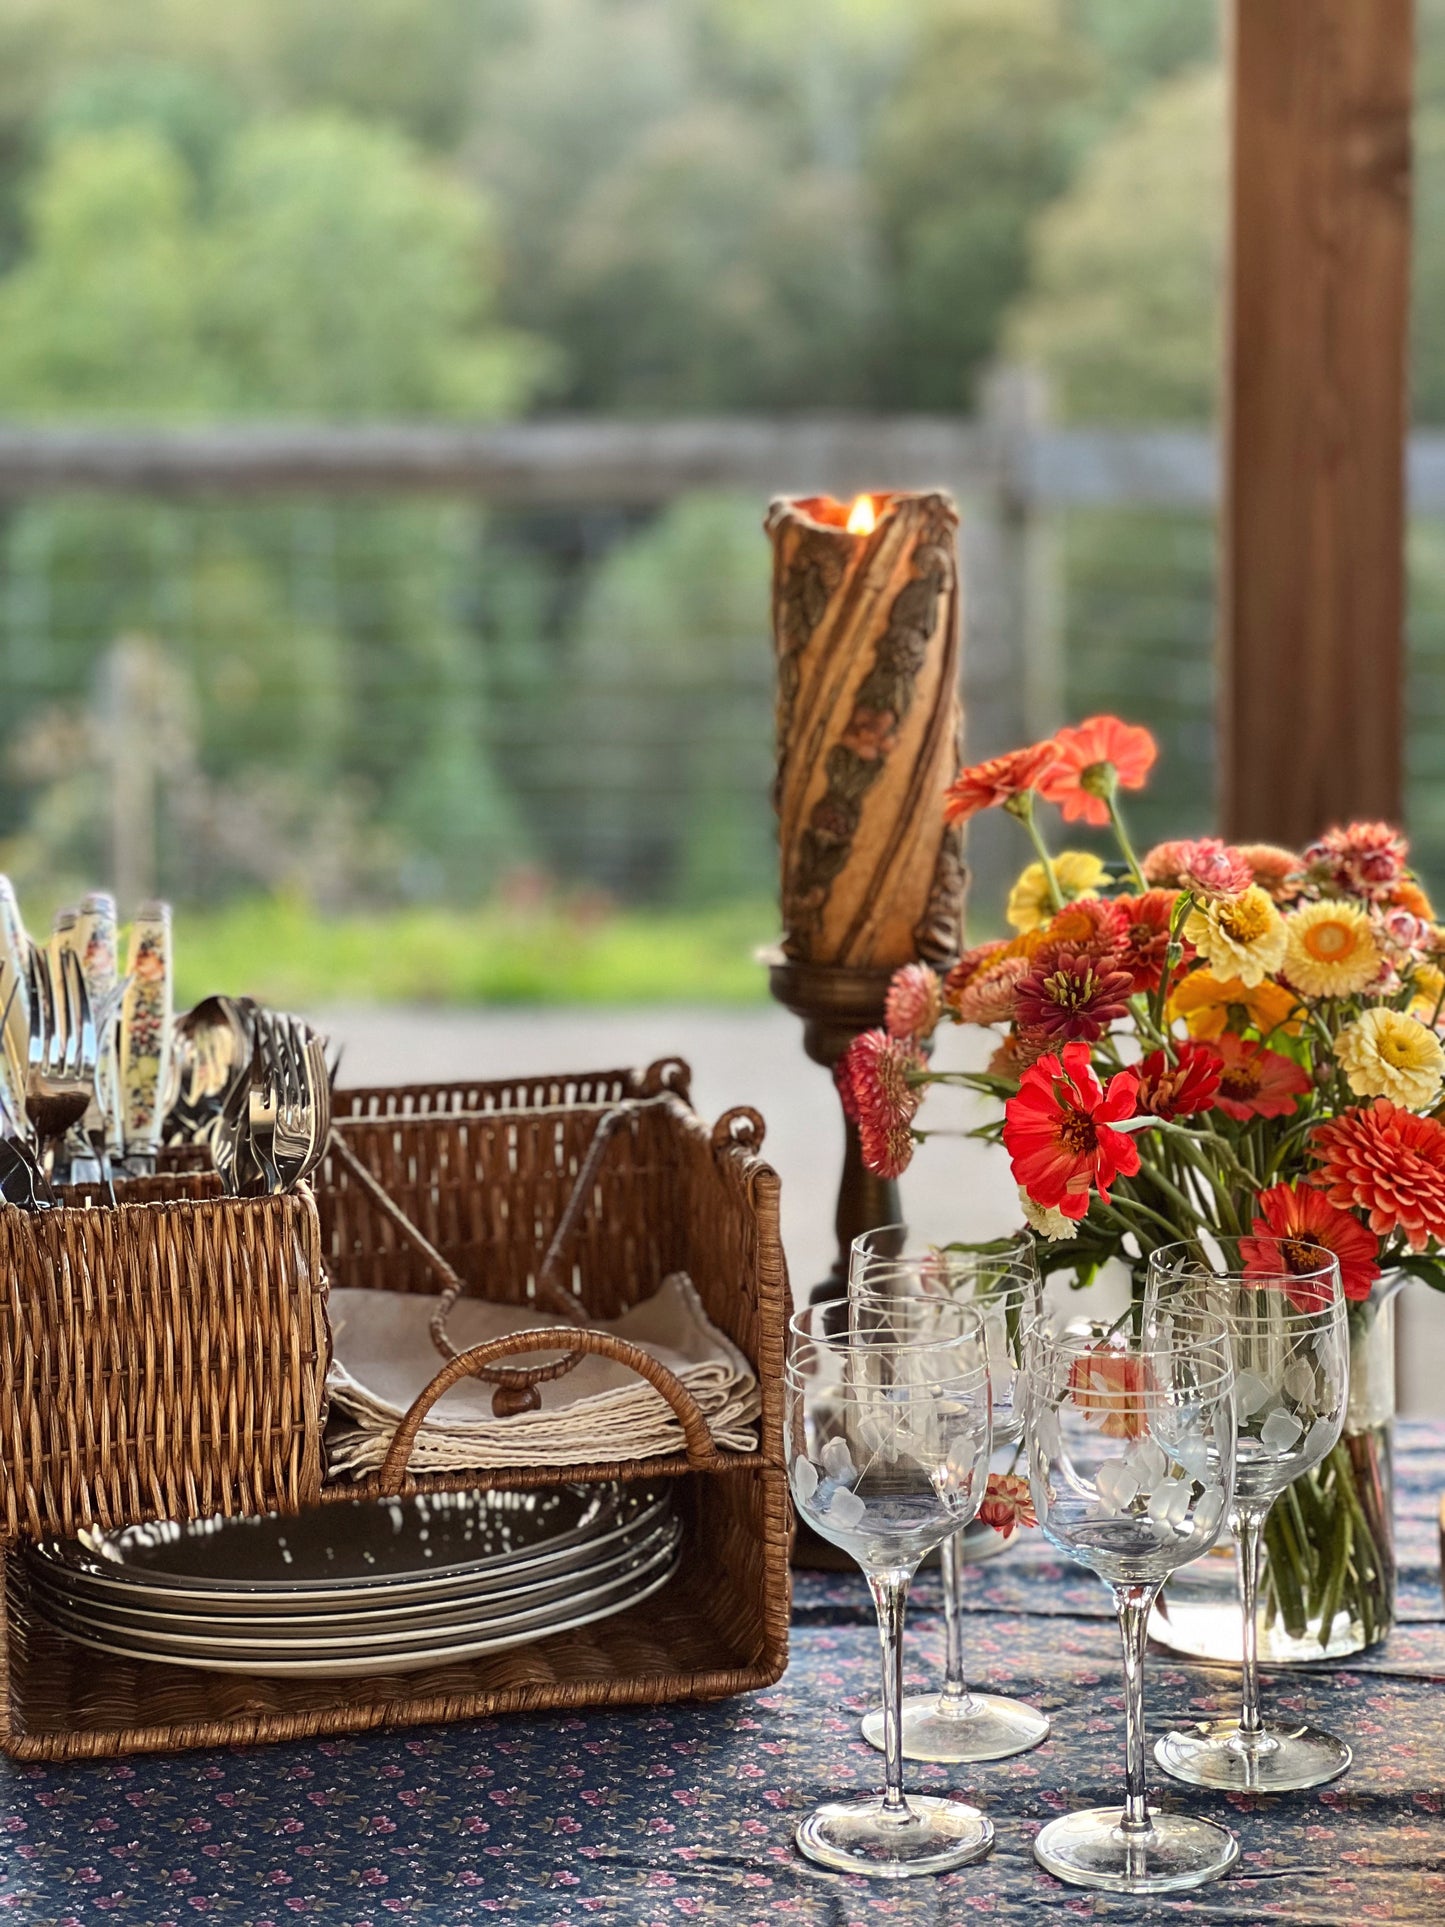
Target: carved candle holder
x: 866, y: 627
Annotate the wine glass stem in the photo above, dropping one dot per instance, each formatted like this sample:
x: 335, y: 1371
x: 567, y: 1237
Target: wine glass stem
x: 1133, y: 1604
x: 1249, y: 1528
x: 955, y: 1699
x: 889, y: 1588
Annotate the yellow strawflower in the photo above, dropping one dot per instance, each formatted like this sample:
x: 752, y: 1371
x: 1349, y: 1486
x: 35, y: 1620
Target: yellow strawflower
x: 1330, y: 950
x: 1239, y: 936
x: 1078, y: 873
x: 1388, y: 1053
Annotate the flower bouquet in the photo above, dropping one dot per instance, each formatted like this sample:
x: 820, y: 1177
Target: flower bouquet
x: 1244, y: 1041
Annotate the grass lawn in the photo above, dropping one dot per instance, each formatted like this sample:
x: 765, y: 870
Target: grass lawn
x: 288, y: 954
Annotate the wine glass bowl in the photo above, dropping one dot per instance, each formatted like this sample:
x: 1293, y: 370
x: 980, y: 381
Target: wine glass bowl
x: 1131, y: 1465
x: 957, y: 1726
x: 888, y: 1445
x: 1284, y: 1307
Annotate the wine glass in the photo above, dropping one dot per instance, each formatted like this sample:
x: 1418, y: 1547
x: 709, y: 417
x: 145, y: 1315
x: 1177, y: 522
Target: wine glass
x: 1131, y: 1461
x: 888, y: 1448
x: 956, y: 1726
x: 1285, y: 1308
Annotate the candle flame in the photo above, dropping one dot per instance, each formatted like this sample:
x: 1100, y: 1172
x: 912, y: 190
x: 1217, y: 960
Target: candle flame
x: 862, y: 517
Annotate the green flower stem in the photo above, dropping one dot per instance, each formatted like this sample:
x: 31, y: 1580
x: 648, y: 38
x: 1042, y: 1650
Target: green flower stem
x: 1170, y: 1226
x: 1172, y: 1192
x: 1196, y: 1146
x: 1022, y: 806
x: 1335, y: 1584
x: 1286, y: 1562
x: 1116, y: 823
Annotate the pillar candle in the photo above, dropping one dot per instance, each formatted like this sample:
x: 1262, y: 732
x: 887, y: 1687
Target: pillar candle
x: 866, y: 628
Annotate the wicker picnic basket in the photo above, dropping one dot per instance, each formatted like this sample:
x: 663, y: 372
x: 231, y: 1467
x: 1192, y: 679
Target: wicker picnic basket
x: 168, y: 1359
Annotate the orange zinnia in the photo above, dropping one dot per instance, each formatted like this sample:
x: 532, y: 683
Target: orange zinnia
x: 1112, y: 1385
x: 983, y: 785
x: 1102, y: 754
x: 1208, y: 1004
x: 1294, y: 1225
x: 1255, y: 1082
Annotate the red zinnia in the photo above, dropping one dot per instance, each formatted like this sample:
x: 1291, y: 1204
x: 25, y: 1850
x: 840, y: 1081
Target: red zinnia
x: 1295, y: 1223
x: 915, y: 1001
x: 983, y: 785
x: 1142, y: 924
x: 1360, y: 860
x: 1091, y: 761
x: 1388, y: 1163
x: 1059, y: 1131
x: 1256, y: 1082
x: 1007, y: 1504
x: 1070, y: 996
x: 1179, y: 1090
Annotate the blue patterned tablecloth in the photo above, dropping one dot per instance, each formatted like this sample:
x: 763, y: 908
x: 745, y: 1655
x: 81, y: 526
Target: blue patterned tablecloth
x: 686, y: 1814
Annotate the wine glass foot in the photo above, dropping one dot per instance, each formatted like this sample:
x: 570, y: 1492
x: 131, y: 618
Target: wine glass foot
x: 989, y: 1728
x: 1278, y: 1759
x: 860, y: 1836
x: 1092, y: 1849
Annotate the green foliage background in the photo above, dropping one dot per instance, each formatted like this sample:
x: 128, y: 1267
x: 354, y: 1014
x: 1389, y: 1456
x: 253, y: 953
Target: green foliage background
x: 478, y: 209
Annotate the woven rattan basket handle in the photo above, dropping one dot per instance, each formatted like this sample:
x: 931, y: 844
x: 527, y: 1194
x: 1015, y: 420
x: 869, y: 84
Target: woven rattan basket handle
x: 702, y: 1454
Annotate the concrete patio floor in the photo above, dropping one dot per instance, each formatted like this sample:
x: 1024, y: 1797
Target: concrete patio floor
x: 954, y: 1188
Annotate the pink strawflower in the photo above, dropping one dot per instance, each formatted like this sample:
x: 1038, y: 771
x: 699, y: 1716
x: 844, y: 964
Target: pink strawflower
x: 1007, y: 1504
x: 915, y: 1002
x: 985, y: 995
x: 887, y: 1149
x: 1277, y: 872
x: 1202, y: 865
x: 878, y: 1069
x: 1360, y: 860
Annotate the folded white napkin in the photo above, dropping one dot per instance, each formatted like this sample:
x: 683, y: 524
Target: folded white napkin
x: 384, y: 1358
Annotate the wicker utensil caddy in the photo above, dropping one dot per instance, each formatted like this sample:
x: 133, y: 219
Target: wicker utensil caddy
x: 168, y: 1359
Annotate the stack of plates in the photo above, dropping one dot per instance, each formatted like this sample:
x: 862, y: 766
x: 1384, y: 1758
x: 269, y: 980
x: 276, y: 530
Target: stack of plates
x: 368, y: 1586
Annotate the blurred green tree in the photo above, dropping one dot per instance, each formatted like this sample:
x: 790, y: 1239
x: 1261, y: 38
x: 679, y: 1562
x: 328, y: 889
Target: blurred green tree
x: 1123, y: 305
x: 982, y: 132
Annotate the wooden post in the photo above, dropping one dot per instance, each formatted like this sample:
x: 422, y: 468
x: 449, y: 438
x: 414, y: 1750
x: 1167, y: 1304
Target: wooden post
x: 1312, y: 591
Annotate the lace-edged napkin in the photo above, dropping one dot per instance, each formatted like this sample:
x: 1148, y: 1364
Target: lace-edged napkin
x: 384, y: 1358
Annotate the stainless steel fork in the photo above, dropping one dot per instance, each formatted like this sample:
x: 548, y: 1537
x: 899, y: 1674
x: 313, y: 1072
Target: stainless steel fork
x: 60, y: 1080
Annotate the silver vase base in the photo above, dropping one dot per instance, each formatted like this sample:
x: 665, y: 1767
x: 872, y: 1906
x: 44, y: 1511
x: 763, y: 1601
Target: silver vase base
x: 863, y: 1836
x: 1094, y: 1849
x: 1277, y: 1759
x: 987, y: 1726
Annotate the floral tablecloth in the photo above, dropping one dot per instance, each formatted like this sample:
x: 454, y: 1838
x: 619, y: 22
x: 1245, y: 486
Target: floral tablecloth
x: 685, y: 1814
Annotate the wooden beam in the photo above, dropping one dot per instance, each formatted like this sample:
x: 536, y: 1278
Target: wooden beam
x: 1312, y: 523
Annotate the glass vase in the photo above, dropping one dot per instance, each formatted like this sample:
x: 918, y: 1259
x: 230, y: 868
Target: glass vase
x: 1327, y: 1572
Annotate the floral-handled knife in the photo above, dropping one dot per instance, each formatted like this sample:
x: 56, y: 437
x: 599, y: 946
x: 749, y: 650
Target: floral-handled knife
x: 94, y: 943
x: 145, y: 1034
x: 14, y: 970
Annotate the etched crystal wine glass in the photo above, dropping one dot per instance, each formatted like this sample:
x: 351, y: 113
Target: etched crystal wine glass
x: 955, y: 1726
x: 888, y: 1448
x: 1131, y: 1461
x: 1284, y: 1304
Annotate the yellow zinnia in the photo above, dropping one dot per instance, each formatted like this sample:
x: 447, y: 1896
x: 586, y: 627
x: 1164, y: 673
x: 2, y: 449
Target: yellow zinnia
x: 1330, y: 950
x: 1211, y: 1005
x: 1388, y: 1053
x: 1428, y: 983
x: 1078, y: 873
x: 1239, y: 936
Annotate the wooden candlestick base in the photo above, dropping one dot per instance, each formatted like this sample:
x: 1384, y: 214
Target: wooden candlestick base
x: 836, y: 1004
